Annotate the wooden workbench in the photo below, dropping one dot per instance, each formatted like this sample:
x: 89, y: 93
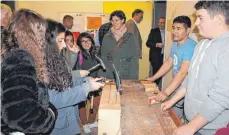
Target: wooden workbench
x: 131, y: 114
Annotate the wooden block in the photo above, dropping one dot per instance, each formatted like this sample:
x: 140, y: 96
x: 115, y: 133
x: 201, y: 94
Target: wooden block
x: 150, y: 94
x: 110, y: 83
x: 109, y: 112
x: 146, y: 82
x: 150, y: 87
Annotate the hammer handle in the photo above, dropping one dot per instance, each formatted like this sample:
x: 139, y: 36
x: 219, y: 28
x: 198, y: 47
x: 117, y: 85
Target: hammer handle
x: 92, y: 103
x: 93, y: 68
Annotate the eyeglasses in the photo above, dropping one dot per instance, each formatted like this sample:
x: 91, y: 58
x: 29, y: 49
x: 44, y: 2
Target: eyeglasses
x: 85, y: 41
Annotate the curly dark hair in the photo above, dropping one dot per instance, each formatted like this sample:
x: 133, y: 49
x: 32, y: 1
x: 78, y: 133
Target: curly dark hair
x: 27, y: 30
x: 59, y: 77
x: 92, y: 50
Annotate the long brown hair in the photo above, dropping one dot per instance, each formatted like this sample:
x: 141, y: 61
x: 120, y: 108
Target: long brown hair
x: 59, y: 76
x: 29, y: 29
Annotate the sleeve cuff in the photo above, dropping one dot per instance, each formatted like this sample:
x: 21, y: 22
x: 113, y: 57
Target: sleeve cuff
x: 87, y: 87
x: 76, y: 73
x: 53, y: 108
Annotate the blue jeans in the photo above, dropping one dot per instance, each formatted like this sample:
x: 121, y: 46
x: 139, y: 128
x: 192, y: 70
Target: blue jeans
x: 179, y: 111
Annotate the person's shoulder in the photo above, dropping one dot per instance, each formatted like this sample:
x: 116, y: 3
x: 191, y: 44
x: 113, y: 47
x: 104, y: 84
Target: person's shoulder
x: 202, y: 41
x: 222, y: 41
x: 129, y: 34
x: 130, y: 21
x: 108, y: 36
x: 174, y: 45
x: 222, y: 45
x: 17, y: 60
x: 18, y: 55
x: 190, y: 43
x: 105, y: 26
x: 155, y: 30
x: 108, y: 33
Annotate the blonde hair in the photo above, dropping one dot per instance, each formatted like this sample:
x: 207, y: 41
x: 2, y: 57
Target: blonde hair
x: 5, y: 11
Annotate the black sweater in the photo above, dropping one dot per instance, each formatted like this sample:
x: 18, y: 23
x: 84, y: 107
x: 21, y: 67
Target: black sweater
x: 88, y: 62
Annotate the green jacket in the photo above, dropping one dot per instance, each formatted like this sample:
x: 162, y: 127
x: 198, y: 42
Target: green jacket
x: 125, y: 57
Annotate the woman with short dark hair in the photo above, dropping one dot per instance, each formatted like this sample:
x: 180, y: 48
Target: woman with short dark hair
x: 119, y: 47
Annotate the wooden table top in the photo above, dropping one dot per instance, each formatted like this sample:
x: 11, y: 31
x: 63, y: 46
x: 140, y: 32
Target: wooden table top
x: 138, y: 117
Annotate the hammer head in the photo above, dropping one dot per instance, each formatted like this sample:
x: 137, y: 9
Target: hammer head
x: 101, y: 62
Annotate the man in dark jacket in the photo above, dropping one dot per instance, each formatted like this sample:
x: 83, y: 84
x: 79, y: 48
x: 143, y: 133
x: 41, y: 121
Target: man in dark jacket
x: 156, y: 44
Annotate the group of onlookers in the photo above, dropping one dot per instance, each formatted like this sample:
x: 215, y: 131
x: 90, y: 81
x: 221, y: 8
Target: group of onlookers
x: 45, y: 79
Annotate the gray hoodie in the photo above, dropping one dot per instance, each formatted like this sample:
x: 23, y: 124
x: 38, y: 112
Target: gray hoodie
x: 208, y: 84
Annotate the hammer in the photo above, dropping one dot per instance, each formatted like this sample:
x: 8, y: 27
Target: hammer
x: 92, y: 69
x: 99, y: 64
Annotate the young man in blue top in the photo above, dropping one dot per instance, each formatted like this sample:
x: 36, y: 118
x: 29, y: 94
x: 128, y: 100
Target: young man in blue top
x: 179, y: 59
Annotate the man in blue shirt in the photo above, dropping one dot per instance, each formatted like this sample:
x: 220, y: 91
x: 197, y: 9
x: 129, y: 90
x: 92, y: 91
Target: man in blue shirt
x: 179, y: 59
